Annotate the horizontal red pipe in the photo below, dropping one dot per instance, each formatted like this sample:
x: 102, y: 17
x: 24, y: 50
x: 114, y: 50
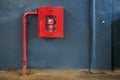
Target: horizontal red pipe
x: 25, y: 40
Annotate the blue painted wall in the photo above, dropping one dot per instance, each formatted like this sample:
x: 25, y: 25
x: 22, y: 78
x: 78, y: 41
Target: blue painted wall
x: 85, y: 46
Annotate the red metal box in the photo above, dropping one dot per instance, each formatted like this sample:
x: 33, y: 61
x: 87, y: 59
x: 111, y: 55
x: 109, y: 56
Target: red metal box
x: 50, y: 22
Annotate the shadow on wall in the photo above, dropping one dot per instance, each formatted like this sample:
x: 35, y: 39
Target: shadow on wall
x: 116, y: 43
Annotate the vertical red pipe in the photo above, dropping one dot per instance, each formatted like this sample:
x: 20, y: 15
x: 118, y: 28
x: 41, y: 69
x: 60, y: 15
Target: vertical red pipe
x: 25, y: 40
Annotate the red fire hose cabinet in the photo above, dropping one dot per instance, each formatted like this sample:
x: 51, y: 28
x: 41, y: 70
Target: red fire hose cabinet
x: 50, y: 22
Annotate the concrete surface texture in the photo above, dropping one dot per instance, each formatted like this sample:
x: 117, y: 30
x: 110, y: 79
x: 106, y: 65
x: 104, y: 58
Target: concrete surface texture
x: 59, y: 75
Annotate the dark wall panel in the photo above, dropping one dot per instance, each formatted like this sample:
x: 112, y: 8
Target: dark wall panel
x: 116, y: 34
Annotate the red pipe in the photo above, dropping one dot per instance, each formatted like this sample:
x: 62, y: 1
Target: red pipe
x: 25, y: 40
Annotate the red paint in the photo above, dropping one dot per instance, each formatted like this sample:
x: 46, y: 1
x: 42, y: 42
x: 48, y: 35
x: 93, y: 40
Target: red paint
x: 44, y: 27
x: 25, y: 39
